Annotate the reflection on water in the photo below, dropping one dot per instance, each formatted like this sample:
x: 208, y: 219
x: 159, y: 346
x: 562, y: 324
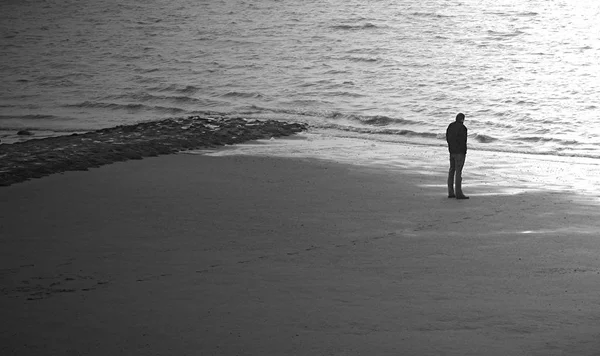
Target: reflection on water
x: 526, y: 73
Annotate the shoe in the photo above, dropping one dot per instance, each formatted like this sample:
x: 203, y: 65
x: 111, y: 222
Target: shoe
x: 462, y: 197
x: 451, y: 196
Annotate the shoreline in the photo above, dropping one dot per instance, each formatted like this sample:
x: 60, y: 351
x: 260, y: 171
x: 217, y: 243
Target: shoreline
x: 486, y: 172
x: 41, y: 157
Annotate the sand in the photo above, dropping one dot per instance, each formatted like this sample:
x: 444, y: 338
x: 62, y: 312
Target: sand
x: 303, y: 247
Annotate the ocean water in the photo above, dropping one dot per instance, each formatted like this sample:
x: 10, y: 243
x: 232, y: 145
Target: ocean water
x: 525, y: 73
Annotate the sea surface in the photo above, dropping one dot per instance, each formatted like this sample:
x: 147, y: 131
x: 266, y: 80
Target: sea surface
x: 525, y: 73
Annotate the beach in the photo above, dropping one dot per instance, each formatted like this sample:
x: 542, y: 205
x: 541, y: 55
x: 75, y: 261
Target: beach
x: 303, y: 246
x: 269, y: 178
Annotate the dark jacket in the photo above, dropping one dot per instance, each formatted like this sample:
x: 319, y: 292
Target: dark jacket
x: 456, y: 136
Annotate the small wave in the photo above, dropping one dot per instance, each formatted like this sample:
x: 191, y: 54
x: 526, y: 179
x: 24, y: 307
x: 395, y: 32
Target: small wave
x: 305, y: 102
x: 378, y: 131
x: 344, y: 93
x: 527, y: 13
x: 497, y: 34
x: 236, y: 94
x: 147, y: 97
x: 377, y: 120
x: 180, y: 99
x: 484, y: 138
x: 538, y: 139
x: 37, y: 129
x: 336, y: 71
x: 363, y: 59
x: 148, y: 70
x: 429, y: 14
x: 338, y: 117
x: 103, y: 105
x: 168, y: 110
x: 77, y: 75
x: 188, y: 89
x: 27, y: 117
x: 365, y: 26
x: 129, y: 107
x: 176, y: 88
x: 525, y: 102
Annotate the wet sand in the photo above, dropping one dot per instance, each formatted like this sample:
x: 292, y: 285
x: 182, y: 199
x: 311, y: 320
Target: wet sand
x: 302, y: 253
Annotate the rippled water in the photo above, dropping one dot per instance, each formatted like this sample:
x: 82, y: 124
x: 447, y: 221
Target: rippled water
x: 526, y: 73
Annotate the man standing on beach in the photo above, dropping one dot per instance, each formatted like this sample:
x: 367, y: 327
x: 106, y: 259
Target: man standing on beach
x: 456, y: 136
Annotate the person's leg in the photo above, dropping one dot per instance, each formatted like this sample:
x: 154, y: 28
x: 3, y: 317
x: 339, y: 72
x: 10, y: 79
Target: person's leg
x: 451, y: 177
x: 460, y: 162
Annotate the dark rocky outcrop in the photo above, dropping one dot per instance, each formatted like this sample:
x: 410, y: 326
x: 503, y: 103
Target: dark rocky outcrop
x: 37, y: 158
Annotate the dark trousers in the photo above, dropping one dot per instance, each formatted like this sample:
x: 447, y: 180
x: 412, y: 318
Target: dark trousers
x: 457, y: 161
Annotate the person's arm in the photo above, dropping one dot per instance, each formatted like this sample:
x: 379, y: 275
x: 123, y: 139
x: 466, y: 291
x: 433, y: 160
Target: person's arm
x: 463, y: 140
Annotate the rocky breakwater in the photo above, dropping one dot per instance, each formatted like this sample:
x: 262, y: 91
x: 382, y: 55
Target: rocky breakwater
x: 37, y: 158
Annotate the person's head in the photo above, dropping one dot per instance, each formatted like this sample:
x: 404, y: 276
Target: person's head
x: 460, y: 117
